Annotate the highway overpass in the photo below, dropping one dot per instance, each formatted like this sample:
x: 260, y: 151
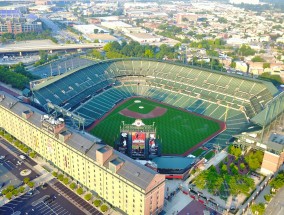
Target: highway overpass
x: 23, y: 48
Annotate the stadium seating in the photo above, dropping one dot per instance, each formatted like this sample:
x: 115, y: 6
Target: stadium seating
x: 94, y: 90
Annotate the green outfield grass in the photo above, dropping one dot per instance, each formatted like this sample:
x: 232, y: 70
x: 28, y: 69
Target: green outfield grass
x: 178, y: 130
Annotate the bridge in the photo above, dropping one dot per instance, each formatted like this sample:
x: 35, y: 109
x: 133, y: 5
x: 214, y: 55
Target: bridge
x: 30, y: 47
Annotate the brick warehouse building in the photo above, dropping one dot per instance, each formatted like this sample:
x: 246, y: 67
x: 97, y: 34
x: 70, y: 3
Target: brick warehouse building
x: 121, y: 181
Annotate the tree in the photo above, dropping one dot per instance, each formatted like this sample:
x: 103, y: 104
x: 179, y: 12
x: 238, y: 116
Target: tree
x: 9, y: 195
x: 276, y: 79
x: 104, y: 208
x: 254, y: 159
x: 96, y: 54
x: 149, y: 53
x: 234, y: 170
x: 258, y: 209
x: 212, y: 53
x: 26, y: 149
x: 33, y: 154
x: 233, y: 65
x: 31, y: 184
x: 97, y: 203
x: 26, y: 180
x: 200, y: 180
x: 88, y: 196
x: 15, y: 192
x: 245, y: 50
x: 266, y: 65
x: 278, y: 181
x: 80, y: 191
x: 224, y: 168
x: 107, y: 47
x: 242, y: 166
x: 60, y: 177
x: 257, y: 59
x: 43, y: 55
x: 96, y: 31
x: 21, y: 189
x: 73, y: 186
x: 222, y: 20
x: 236, y: 151
x: 267, y: 197
x: 10, y: 188
x: 65, y: 181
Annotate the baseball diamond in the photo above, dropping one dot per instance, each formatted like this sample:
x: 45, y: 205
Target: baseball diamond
x: 178, y: 130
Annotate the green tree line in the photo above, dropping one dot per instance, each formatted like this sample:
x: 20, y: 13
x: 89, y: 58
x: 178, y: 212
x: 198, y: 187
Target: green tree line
x: 134, y: 49
x: 16, y: 75
x: 28, y: 36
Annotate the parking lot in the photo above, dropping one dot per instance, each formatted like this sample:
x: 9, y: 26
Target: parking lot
x: 34, y: 204
x: 16, y: 151
x: 78, y: 201
x: 11, y: 167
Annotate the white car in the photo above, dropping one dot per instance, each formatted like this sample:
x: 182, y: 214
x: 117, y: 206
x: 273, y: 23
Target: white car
x: 22, y: 157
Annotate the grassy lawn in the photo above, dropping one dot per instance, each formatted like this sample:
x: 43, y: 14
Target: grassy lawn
x: 197, y: 152
x: 177, y: 130
x: 209, y: 155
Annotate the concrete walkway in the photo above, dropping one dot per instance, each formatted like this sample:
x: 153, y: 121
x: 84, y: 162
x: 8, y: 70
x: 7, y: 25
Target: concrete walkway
x: 177, y: 203
x: 276, y: 206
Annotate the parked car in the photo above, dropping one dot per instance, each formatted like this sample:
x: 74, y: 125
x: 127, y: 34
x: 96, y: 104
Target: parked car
x: 48, y: 200
x: 23, y: 157
x: 44, y: 186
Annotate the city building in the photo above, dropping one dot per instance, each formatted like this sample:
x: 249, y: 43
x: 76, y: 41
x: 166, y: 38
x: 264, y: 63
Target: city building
x: 115, y: 25
x: 185, y: 17
x: 89, y: 29
x: 144, y: 38
x: 20, y: 25
x: 121, y: 181
x: 101, y: 38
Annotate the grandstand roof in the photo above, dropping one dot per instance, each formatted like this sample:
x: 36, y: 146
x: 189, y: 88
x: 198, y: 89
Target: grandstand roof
x: 84, y: 144
x: 272, y: 109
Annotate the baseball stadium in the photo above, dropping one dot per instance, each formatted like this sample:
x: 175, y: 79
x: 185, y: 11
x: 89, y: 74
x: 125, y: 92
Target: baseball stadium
x: 189, y: 106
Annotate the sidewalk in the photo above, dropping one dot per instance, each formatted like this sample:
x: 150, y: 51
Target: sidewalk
x: 177, y: 204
